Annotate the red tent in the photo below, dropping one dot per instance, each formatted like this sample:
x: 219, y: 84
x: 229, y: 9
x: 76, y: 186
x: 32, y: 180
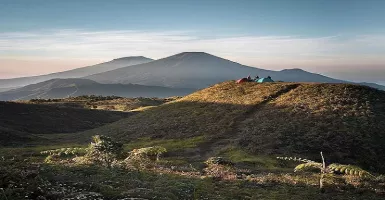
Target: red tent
x: 242, y: 80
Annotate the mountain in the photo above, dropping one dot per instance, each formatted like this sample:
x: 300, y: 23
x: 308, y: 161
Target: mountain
x: 345, y: 121
x: 200, y: 70
x: 5, y: 89
x: 75, y: 73
x: 373, y: 85
x: 21, y: 122
x: 62, y: 88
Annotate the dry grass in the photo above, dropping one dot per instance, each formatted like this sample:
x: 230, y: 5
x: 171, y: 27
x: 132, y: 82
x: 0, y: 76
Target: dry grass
x: 347, y: 122
x: 110, y: 103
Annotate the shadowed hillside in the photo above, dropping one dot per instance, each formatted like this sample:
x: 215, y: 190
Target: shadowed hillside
x: 345, y: 121
x: 21, y: 122
x: 111, y: 103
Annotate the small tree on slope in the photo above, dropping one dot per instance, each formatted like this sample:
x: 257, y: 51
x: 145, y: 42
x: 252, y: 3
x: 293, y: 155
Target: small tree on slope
x: 104, y: 150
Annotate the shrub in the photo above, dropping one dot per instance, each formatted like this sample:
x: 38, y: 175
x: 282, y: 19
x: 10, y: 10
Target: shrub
x: 220, y: 168
x: 218, y: 161
x: 144, y: 157
x: 57, y: 154
x: 103, y: 150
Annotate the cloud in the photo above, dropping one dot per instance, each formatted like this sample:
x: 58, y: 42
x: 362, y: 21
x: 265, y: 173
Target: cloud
x: 321, y: 54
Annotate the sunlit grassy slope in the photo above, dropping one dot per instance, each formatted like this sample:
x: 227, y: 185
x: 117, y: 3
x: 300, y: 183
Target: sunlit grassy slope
x: 345, y: 121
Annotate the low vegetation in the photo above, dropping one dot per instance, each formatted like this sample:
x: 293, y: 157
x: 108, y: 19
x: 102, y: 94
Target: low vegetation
x: 140, y: 173
x: 344, y: 121
x: 111, y: 103
x: 218, y: 143
x: 309, y: 165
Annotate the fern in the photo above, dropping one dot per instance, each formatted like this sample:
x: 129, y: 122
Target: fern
x: 308, y: 166
x: 296, y: 159
x: 348, y: 170
x: 65, y: 152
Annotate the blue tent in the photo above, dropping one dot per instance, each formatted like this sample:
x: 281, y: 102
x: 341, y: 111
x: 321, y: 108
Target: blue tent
x: 265, y: 80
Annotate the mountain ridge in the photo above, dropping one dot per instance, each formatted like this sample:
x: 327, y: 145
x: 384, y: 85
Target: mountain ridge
x: 200, y: 70
x: 75, y: 73
x: 62, y: 88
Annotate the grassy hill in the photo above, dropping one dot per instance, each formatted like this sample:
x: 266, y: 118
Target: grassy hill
x: 346, y: 122
x: 111, y: 103
x: 249, y: 124
x: 21, y: 122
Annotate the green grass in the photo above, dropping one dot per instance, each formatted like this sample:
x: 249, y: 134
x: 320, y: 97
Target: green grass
x: 27, y: 176
x: 9, y: 152
x: 264, y: 162
x: 344, y: 121
x: 169, y: 144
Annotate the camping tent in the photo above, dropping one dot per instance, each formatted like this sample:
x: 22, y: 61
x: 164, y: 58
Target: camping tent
x: 242, y: 80
x: 265, y: 80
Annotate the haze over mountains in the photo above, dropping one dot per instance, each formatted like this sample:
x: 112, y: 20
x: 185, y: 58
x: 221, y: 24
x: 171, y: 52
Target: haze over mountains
x: 63, y: 88
x: 75, y: 73
x: 196, y: 70
x: 200, y: 70
x: 176, y: 75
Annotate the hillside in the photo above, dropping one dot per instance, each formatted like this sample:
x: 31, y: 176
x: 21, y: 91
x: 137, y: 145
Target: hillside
x: 75, y: 73
x: 200, y: 70
x: 112, y: 103
x: 22, y: 122
x: 63, y: 88
x: 346, y: 122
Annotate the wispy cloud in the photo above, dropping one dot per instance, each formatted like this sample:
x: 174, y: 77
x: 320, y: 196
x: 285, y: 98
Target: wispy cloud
x: 261, y: 51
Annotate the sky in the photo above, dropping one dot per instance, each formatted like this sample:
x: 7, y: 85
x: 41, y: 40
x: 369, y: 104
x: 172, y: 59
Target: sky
x: 339, y: 38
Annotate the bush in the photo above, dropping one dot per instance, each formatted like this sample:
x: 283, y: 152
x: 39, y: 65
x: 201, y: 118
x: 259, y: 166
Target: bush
x: 103, y: 150
x: 218, y: 161
x: 144, y: 157
x: 220, y: 168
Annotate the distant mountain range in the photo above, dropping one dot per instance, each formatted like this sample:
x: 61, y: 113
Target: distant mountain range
x: 199, y: 70
x: 140, y: 76
x: 62, y: 88
x: 75, y: 73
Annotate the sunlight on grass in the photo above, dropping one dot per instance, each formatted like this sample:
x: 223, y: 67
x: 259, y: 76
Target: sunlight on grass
x: 169, y: 144
x: 143, y: 108
x: 260, y: 161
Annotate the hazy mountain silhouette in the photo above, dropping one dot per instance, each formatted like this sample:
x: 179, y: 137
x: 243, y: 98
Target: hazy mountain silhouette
x: 75, y: 73
x: 199, y: 70
x: 62, y: 88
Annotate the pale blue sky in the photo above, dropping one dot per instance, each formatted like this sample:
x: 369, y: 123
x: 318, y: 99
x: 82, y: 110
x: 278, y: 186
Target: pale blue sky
x: 341, y: 38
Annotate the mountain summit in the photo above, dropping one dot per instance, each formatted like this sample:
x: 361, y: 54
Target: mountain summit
x: 186, y: 70
x: 200, y: 70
